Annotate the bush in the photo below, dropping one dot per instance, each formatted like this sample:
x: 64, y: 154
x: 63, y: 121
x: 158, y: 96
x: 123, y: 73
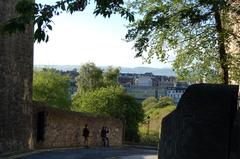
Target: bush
x: 165, y: 101
x: 50, y: 87
x: 156, y: 115
x: 113, y: 101
x: 149, y: 100
x: 149, y: 139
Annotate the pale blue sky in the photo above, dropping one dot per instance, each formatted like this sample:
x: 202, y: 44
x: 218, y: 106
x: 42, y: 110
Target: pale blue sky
x: 82, y: 37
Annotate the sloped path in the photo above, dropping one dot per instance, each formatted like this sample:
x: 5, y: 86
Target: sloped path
x: 93, y: 153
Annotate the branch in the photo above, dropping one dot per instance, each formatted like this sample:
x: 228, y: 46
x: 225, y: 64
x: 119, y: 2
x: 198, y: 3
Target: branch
x: 41, y: 15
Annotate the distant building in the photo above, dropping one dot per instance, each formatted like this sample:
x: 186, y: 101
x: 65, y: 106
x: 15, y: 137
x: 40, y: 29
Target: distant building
x: 148, y: 74
x: 144, y: 81
x: 126, y: 81
x: 182, y: 85
x: 142, y: 86
x: 164, y: 81
x: 176, y: 92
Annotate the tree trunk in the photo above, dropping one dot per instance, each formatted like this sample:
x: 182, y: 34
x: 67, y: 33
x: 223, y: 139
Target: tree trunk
x: 221, y: 43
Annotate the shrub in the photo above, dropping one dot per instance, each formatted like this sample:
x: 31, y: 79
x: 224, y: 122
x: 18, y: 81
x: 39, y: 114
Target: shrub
x: 149, y: 139
x: 165, y: 101
x: 113, y: 101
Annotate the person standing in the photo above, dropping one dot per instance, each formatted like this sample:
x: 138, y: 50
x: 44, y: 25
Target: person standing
x: 103, y: 135
x: 86, y: 135
x: 107, y: 136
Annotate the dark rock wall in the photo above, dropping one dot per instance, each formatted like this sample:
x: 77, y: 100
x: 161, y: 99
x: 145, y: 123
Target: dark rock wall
x: 64, y: 128
x: 235, y: 139
x: 201, y: 126
x: 16, y: 66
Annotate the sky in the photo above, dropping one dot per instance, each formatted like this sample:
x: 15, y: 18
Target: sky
x: 82, y: 37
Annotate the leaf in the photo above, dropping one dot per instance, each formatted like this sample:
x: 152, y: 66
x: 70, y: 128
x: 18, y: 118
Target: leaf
x: 47, y: 39
x: 49, y: 27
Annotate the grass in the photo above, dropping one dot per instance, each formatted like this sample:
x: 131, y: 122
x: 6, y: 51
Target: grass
x: 156, y: 115
x: 150, y: 138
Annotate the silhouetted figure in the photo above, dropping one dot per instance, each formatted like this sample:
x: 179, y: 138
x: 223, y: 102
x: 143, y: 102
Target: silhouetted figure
x: 104, y: 135
x: 86, y: 135
x: 107, y: 137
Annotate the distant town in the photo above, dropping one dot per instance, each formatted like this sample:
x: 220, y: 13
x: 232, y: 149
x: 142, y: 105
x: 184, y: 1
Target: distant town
x: 145, y: 85
x: 142, y: 85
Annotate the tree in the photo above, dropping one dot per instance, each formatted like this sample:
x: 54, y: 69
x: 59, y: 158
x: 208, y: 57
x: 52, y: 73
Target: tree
x: 92, y: 77
x: 50, y: 87
x: 113, y: 101
x: 89, y: 78
x: 110, y: 76
x: 41, y: 14
x: 197, y: 30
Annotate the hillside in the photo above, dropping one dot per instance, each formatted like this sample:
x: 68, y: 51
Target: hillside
x: 154, y: 110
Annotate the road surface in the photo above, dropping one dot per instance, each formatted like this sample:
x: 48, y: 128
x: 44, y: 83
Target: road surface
x: 92, y: 153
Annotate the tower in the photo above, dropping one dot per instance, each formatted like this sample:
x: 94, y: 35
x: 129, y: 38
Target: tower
x: 16, y: 69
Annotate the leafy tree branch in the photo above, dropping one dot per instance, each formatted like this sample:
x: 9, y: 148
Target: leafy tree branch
x: 41, y: 14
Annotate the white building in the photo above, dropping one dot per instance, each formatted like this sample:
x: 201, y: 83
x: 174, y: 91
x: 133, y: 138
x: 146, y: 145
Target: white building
x: 175, y: 93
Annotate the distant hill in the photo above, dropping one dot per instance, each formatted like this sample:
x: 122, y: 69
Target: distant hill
x: 155, y: 71
x: 138, y: 70
x: 58, y: 67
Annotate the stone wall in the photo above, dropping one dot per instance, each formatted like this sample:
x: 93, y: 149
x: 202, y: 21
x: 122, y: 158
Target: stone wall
x: 235, y: 139
x: 202, y: 125
x: 64, y: 128
x: 16, y: 67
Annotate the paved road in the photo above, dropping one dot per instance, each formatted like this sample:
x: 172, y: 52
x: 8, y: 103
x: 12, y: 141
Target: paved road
x: 94, y: 153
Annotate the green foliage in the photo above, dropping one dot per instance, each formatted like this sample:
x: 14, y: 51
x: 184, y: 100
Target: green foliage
x: 100, y: 93
x: 154, y: 111
x: 92, y: 77
x: 165, y: 101
x: 156, y: 115
x: 110, y: 76
x: 89, y: 78
x: 26, y: 9
x: 149, y: 100
x: 50, y: 87
x: 151, y: 105
x: 191, y: 29
x: 159, y: 113
x: 234, y: 67
x: 112, y: 101
x: 41, y: 15
x: 149, y: 139
x: 152, y: 102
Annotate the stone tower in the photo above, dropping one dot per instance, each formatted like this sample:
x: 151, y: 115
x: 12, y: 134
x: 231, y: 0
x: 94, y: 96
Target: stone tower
x: 16, y: 68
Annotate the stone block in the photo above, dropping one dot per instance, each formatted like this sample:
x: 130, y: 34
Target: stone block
x: 201, y: 126
x: 235, y: 138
